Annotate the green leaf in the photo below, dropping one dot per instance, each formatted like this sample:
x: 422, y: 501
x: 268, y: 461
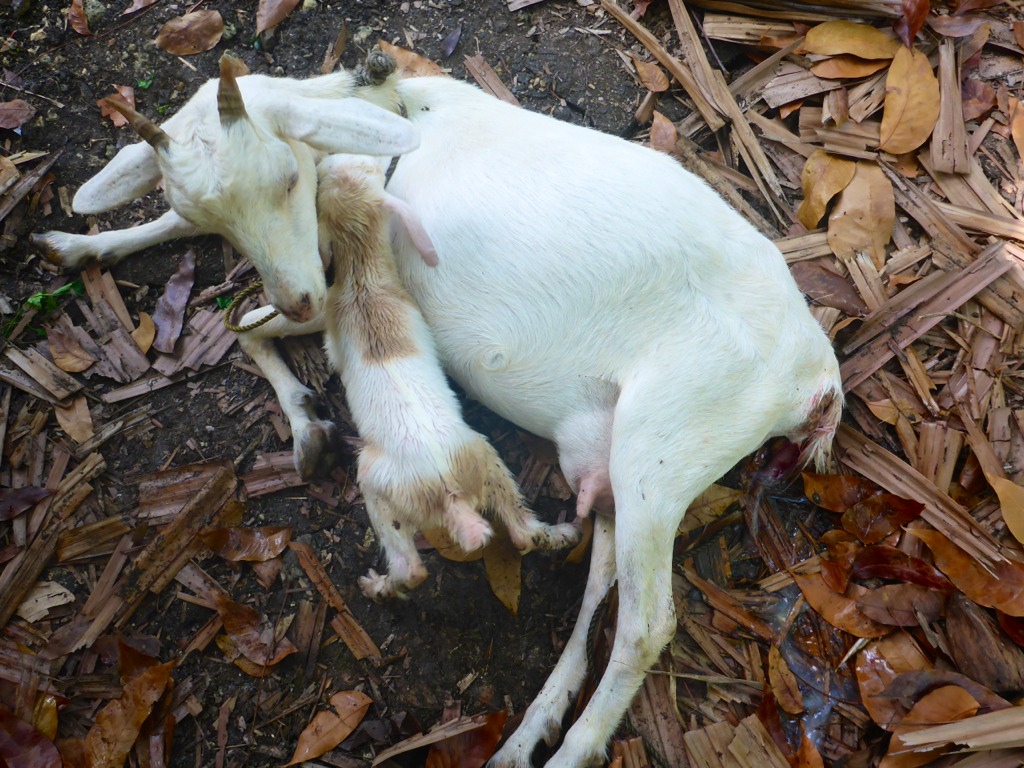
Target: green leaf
x: 145, y: 83
x: 223, y: 302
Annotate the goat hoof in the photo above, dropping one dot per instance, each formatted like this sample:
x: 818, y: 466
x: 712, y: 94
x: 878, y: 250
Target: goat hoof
x: 374, y: 585
x: 474, y: 535
x: 316, y: 450
x: 565, y: 535
x: 44, y: 244
x: 379, y: 66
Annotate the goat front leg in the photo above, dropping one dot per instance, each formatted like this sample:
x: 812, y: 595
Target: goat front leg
x: 75, y: 251
x: 544, y: 717
x: 312, y: 438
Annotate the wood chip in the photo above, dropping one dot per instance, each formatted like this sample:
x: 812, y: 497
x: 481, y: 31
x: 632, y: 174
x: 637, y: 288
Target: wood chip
x: 345, y: 624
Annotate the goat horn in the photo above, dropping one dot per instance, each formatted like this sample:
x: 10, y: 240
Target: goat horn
x: 229, y: 98
x: 152, y: 133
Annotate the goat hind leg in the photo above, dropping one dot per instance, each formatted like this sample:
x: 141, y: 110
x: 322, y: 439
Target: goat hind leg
x: 543, y: 718
x: 660, y: 459
x: 405, y: 568
x: 524, y: 529
x: 465, y: 526
x: 313, y: 438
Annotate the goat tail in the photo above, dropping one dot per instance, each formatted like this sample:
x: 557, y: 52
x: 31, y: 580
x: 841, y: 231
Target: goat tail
x: 820, y: 427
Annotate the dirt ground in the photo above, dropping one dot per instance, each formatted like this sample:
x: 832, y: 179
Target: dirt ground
x: 554, y: 63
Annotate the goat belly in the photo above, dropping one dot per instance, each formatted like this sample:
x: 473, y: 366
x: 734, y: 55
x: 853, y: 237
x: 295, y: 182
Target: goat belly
x: 567, y: 255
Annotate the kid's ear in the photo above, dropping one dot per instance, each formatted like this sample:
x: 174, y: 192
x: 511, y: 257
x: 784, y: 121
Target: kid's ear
x: 351, y: 126
x: 132, y: 173
x: 413, y: 226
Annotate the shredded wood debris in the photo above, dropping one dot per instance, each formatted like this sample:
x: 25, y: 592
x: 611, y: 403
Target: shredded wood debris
x: 879, y: 620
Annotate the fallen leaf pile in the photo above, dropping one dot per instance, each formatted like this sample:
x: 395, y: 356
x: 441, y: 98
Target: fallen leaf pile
x: 877, y: 617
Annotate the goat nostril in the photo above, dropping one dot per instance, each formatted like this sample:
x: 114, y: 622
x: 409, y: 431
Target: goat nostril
x: 306, y: 300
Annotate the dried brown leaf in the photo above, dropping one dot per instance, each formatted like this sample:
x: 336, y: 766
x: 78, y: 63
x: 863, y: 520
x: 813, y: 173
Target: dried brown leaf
x: 75, y: 419
x: 77, y: 18
x: 123, y: 93
x: 839, y: 610
x: 863, y: 216
x: 448, y: 548
x: 835, y: 569
x: 504, y: 566
x: 836, y: 37
x: 943, y: 705
x: 470, y: 749
x: 826, y: 287
x: 272, y: 12
x: 67, y: 353
x: 847, y: 66
x: 837, y: 493
x: 254, y: 640
x: 885, y: 562
x: 911, y: 685
x: 956, y: 26
x: 144, y: 334
x: 878, y: 516
x: 979, y: 649
x: 1013, y: 626
x: 17, y: 500
x: 652, y: 77
x: 137, y: 5
x: 1002, y: 587
x: 24, y: 746
x: 411, y: 64
x: 911, y: 103
x: 901, y: 605
x: 1017, y: 125
x: 824, y: 176
x: 192, y: 33
x: 117, y: 725
x: 169, y: 315
x: 663, y: 134
x: 978, y: 98
x: 783, y: 683
x: 328, y: 729
x: 967, y: 6
x: 878, y: 665
x: 912, y: 18
x: 15, y: 113
x: 808, y: 756
x: 44, y: 714
x: 1011, y: 504
x: 247, y: 544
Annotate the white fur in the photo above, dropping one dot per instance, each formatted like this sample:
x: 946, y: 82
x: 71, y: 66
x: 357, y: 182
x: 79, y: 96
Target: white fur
x: 250, y: 181
x: 595, y: 293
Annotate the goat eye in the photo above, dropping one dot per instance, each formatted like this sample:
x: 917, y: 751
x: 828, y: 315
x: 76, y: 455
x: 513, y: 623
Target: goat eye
x: 293, y: 181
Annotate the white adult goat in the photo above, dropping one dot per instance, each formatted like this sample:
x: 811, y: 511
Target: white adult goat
x: 655, y: 342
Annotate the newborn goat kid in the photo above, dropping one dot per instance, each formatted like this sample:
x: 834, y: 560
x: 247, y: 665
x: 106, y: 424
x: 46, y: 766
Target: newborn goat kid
x: 421, y: 466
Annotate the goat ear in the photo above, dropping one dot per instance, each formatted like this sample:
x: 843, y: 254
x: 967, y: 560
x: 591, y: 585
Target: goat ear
x: 132, y: 173
x: 350, y: 126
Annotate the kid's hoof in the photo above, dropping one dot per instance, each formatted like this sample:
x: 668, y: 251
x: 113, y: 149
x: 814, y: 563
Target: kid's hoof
x: 317, y: 450
x: 374, y: 585
x: 379, y: 66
